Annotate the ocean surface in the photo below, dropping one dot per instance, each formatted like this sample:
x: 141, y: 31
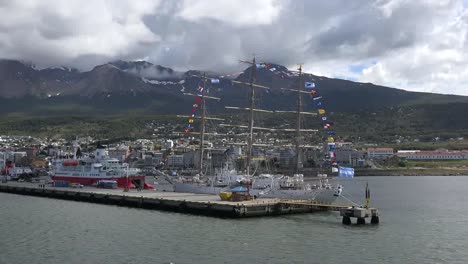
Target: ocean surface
x: 423, y: 220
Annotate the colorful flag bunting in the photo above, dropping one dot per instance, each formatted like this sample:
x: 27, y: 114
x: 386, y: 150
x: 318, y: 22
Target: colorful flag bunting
x: 319, y: 103
x: 317, y: 98
x: 321, y: 111
x: 324, y: 118
x: 331, y: 139
x: 346, y: 172
x: 313, y: 91
x: 331, y: 133
x: 326, y: 125
x: 309, y: 85
x: 198, y: 99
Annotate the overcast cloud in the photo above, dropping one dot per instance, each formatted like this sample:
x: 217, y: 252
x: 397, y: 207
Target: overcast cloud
x: 409, y: 44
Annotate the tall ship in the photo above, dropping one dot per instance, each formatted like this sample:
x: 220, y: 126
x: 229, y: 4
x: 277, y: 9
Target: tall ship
x: 98, y: 166
x: 263, y: 185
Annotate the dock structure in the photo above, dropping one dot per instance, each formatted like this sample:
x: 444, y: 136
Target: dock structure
x: 361, y: 214
x: 201, y: 204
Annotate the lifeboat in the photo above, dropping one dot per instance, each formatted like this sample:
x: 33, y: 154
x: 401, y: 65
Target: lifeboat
x: 70, y: 163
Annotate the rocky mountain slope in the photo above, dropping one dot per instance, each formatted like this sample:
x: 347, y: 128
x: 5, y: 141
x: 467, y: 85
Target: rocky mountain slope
x: 122, y: 87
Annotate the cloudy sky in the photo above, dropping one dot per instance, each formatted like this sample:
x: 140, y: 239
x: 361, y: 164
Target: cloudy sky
x: 418, y: 45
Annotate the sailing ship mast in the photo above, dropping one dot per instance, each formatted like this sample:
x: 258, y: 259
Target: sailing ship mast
x: 299, y: 164
x: 299, y: 112
x: 202, y: 95
x: 202, y: 125
x: 299, y: 144
x: 252, y: 109
x: 251, y: 116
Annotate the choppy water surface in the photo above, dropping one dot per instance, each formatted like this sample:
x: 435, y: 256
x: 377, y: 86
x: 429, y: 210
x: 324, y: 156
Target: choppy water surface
x: 423, y: 220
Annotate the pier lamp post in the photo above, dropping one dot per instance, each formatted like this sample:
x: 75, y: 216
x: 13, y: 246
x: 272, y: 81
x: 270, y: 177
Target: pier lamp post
x: 126, y: 189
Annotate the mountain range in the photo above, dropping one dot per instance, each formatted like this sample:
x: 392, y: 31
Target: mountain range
x: 142, y: 87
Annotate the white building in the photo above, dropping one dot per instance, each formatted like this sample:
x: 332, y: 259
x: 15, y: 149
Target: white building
x: 441, y: 154
x: 168, y: 144
x: 379, y: 153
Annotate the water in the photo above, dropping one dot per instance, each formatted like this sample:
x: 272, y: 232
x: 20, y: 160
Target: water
x: 423, y: 220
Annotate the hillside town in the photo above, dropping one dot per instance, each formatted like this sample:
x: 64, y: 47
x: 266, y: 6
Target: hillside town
x: 26, y: 157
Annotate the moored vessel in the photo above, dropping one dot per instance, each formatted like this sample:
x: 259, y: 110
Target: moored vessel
x: 97, y: 167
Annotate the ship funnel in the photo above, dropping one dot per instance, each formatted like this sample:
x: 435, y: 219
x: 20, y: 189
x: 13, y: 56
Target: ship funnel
x: 76, y: 145
x: 100, y: 152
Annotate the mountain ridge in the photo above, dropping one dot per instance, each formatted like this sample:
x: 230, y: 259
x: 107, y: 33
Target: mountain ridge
x: 155, y: 88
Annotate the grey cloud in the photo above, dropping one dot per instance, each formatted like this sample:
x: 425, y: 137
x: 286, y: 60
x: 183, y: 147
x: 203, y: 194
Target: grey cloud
x: 299, y: 32
x: 314, y: 32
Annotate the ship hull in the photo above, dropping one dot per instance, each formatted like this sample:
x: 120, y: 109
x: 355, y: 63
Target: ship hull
x: 197, y: 188
x: 87, y: 181
x: 318, y: 195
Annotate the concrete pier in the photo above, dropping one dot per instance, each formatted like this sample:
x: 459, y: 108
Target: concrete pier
x: 360, y: 214
x: 203, y: 204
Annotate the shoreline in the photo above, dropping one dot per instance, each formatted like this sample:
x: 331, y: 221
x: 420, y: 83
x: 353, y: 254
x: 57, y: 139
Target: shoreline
x: 412, y: 172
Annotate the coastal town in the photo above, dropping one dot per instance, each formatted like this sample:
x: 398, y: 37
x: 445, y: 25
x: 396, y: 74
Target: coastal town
x: 25, y: 157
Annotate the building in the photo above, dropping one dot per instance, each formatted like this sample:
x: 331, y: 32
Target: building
x: 350, y: 157
x: 287, y: 158
x: 121, y: 152
x: 189, y: 159
x: 158, y: 158
x: 30, y: 152
x: 13, y: 156
x: 440, y: 154
x: 379, y: 153
x: 234, y: 152
x: 175, y: 161
x: 168, y: 144
x: 218, y: 158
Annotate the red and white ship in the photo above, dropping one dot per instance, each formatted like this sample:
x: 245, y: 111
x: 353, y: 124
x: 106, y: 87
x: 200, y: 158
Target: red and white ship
x: 99, y: 166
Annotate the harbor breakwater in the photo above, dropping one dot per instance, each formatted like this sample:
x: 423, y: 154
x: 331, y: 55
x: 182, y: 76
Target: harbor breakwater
x: 209, y: 205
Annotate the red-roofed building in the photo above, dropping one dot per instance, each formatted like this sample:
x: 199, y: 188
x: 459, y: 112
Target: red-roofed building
x: 440, y: 154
